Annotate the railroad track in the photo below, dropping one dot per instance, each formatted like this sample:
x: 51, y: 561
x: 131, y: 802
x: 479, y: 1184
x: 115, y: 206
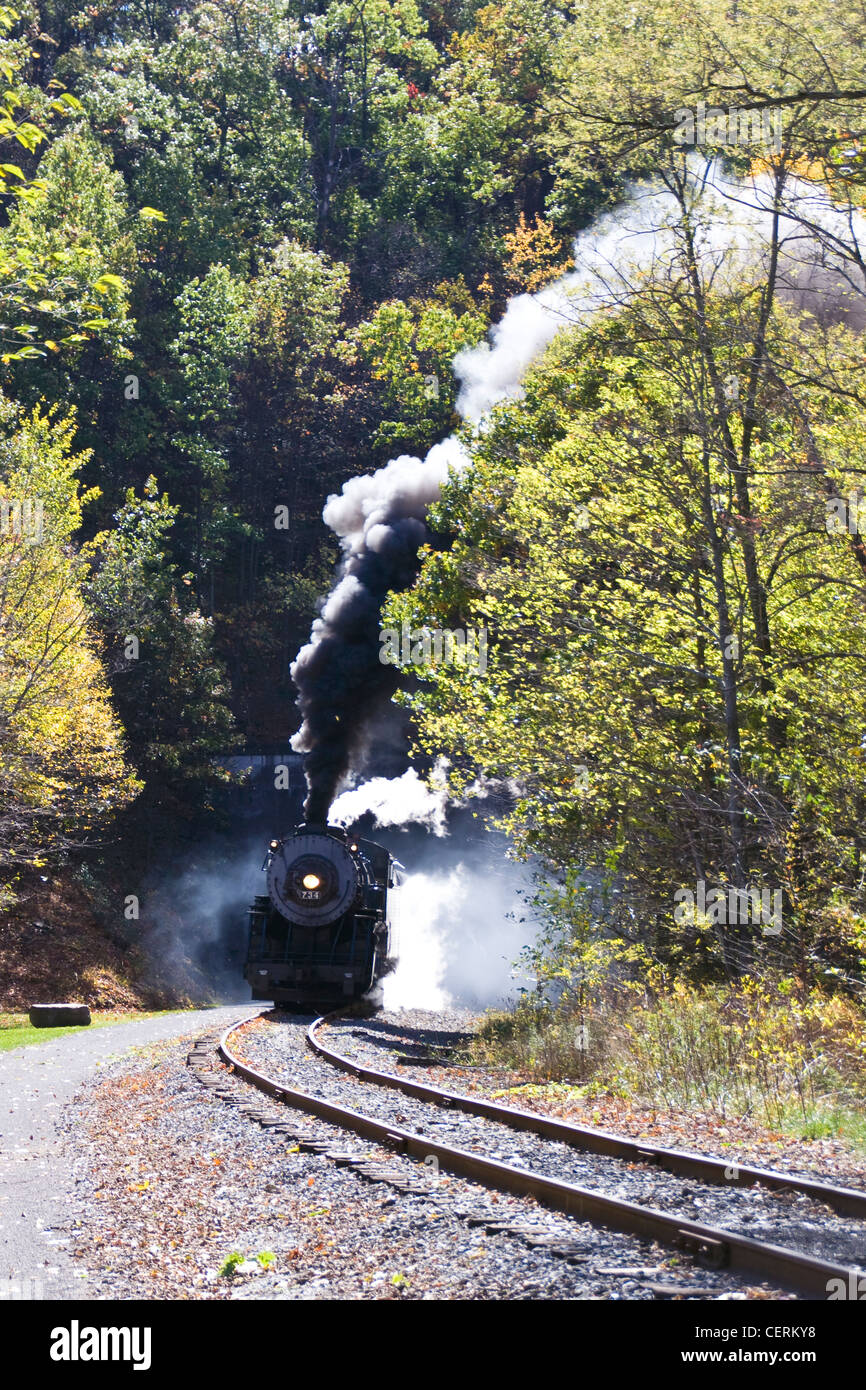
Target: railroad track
x: 712, y: 1246
x: 846, y: 1201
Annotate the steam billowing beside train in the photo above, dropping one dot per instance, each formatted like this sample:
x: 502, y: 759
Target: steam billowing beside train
x: 321, y: 936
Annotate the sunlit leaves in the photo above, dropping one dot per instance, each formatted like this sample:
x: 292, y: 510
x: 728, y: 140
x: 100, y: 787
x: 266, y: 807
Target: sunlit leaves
x: 54, y: 271
x: 62, y: 767
x: 410, y: 349
x: 582, y: 539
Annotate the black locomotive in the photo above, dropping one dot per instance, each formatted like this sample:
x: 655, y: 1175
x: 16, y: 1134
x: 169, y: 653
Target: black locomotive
x: 321, y: 936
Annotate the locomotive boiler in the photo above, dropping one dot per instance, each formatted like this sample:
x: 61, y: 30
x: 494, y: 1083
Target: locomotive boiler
x: 320, y: 937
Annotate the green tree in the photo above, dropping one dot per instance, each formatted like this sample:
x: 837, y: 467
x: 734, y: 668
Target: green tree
x: 655, y: 739
x: 410, y: 348
x: 168, y: 684
x: 350, y: 72
x: 54, y: 288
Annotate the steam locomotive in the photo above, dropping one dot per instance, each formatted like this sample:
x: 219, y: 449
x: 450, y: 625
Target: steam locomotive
x: 321, y: 936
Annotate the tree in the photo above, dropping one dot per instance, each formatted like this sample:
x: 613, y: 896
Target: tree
x: 168, y: 685
x: 211, y: 351
x: 349, y: 72
x: 54, y: 292
x: 410, y: 348
x: 655, y: 737
x: 63, y: 773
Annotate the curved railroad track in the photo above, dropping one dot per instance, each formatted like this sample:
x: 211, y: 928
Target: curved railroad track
x: 714, y: 1247
x: 846, y: 1201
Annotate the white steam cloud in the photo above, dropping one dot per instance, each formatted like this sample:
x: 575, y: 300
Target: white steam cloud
x: 405, y: 800
x: 457, y: 934
x: 735, y: 218
x: 367, y: 507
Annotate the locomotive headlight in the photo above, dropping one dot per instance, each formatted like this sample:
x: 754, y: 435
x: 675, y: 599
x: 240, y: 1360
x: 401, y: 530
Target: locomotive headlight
x: 275, y: 844
x: 311, y: 881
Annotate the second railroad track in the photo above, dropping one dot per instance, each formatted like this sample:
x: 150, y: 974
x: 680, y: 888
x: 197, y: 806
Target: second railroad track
x: 713, y: 1246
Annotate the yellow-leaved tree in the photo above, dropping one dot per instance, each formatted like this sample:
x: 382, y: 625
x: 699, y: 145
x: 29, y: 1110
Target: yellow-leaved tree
x: 62, y: 766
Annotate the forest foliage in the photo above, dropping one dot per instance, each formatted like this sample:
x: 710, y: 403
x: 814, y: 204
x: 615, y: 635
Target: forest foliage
x: 242, y: 242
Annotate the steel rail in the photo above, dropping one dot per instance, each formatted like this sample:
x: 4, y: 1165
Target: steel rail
x: 846, y: 1201
x: 715, y: 1247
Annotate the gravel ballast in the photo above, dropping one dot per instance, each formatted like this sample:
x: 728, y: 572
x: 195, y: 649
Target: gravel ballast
x: 420, y: 1044
x: 175, y: 1182
x: 275, y: 1044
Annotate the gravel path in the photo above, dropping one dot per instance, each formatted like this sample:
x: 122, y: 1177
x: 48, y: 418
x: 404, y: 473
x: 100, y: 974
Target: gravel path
x: 36, y: 1181
x: 275, y: 1044
x: 174, y: 1177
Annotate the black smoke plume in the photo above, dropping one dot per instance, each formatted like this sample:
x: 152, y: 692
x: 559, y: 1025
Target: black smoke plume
x: 341, y: 682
